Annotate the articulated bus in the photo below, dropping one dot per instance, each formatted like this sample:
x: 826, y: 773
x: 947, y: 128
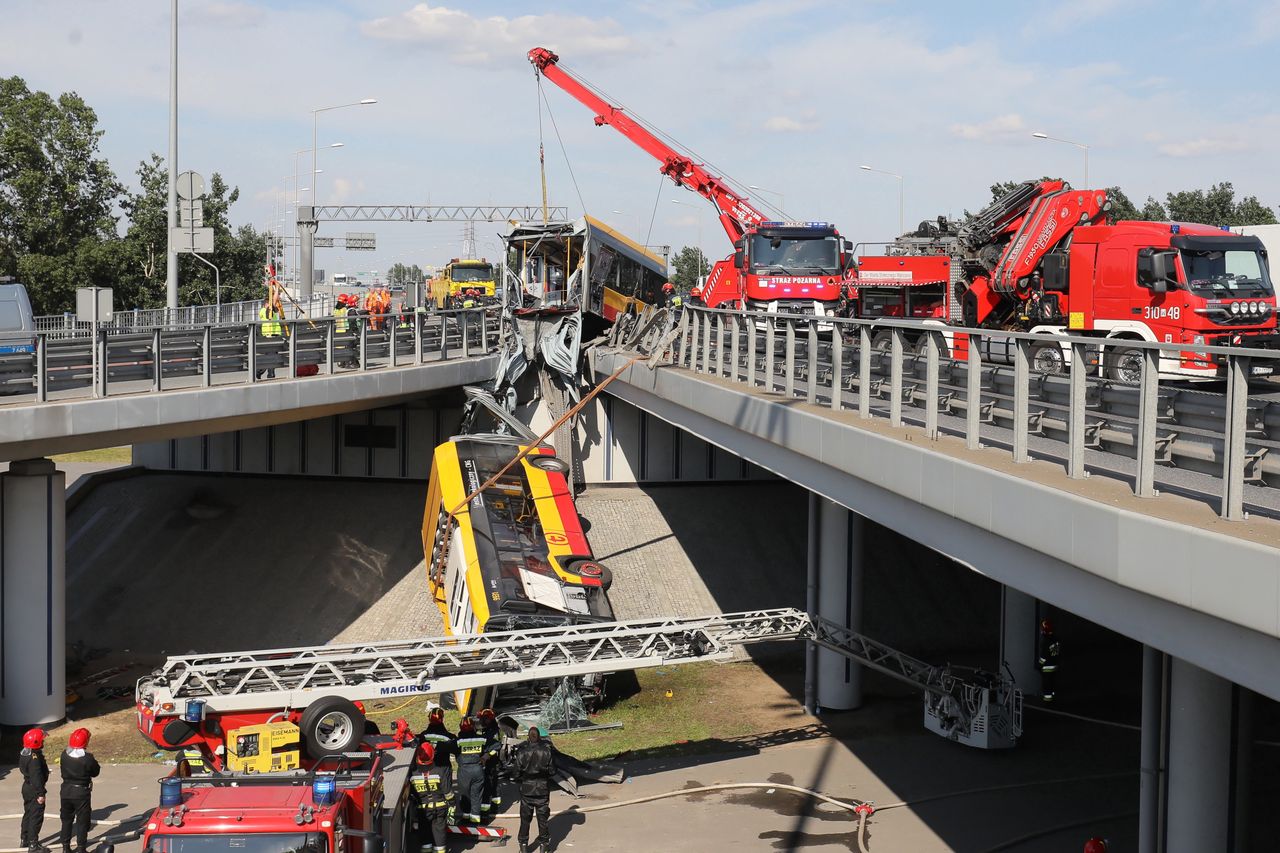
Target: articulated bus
x: 515, y: 557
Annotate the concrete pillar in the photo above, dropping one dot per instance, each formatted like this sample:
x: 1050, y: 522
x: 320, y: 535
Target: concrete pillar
x: 1019, y: 630
x: 839, y: 564
x: 306, y: 260
x: 33, y: 624
x: 811, y: 606
x: 1151, y: 794
x: 1199, y: 812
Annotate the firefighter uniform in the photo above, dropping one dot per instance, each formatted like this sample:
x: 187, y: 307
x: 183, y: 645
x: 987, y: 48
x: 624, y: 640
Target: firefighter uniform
x: 1048, y: 652
x: 79, y: 768
x: 35, y: 780
x: 432, y: 792
x: 474, y: 752
x: 534, y: 765
x: 445, y: 745
x: 489, y: 728
x: 196, y: 765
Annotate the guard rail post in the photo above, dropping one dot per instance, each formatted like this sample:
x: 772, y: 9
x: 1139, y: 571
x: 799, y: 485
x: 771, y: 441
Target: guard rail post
x: 931, y: 385
x: 291, y: 329
x: 770, y: 344
x: 811, y: 395
x: 735, y: 372
x: 973, y: 394
x: 688, y: 357
x: 466, y: 341
x: 206, y: 358
x: 156, y: 359
x: 751, y: 348
x: 837, y: 364
x: 418, y: 330
x: 394, y: 330
x: 1233, y: 450
x: 484, y: 331
x: 789, y: 379
x: 364, y: 343
x: 1145, y: 440
x: 252, y: 361
x: 719, y: 337
x: 706, y: 343
x: 1021, y: 398
x: 1076, y: 412
x: 104, y: 353
x: 330, y: 330
x: 444, y: 337
x: 895, y: 377
x: 41, y: 377
x: 864, y: 370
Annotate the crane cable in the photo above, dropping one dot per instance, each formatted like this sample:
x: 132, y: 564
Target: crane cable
x: 556, y: 128
x: 542, y: 159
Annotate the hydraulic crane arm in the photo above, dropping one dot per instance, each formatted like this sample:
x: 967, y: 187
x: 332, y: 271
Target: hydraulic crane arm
x: 736, y: 213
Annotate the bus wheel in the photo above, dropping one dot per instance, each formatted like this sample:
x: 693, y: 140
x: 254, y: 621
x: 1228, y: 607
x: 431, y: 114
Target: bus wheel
x: 331, y: 725
x: 1047, y: 359
x: 592, y: 569
x: 1125, y: 365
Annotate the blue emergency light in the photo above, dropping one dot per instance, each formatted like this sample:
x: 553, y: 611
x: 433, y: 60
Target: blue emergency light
x: 324, y: 791
x: 1174, y: 229
x: 194, y: 711
x: 170, y: 792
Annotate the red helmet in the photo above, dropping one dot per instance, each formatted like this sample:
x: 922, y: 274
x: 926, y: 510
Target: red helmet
x: 436, y: 715
x: 1095, y: 845
x: 668, y: 287
x: 487, y: 714
x: 33, y: 739
x: 79, y: 739
x: 467, y: 725
x: 426, y: 753
x: 1046, y: 627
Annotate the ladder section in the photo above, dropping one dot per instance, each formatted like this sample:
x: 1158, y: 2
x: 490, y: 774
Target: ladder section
x: 291, y: 678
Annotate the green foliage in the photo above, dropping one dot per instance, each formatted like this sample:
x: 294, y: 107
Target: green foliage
x: 400, y: 274
x: 1217, y: 206
x: 687, y: 266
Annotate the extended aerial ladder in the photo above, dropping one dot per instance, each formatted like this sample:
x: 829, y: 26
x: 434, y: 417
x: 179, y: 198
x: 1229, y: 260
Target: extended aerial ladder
x: 980, y: 709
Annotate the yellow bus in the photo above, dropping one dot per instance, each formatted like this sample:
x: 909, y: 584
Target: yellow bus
x: 516, y: 556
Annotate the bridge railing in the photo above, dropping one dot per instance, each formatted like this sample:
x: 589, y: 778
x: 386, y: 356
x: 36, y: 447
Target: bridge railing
x: 189, y: 316
x: 1081, y: 400
x: 130, y: 361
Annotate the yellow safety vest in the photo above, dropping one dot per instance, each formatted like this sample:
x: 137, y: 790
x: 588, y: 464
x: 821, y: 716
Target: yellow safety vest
x: 341, y: 313
x: 270, y: 322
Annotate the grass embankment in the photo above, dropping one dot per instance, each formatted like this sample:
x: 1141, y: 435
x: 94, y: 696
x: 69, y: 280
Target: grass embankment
x: 122, y: 455
x: 709, y: 703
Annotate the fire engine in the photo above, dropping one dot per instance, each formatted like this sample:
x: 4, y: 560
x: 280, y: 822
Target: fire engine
x: 1045, y: 259
x: 789, y: 266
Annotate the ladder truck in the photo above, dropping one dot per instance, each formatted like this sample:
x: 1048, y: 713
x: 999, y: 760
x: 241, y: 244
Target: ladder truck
x: 1045, y: 259
x: 794, y: 267
x: 294, y: 766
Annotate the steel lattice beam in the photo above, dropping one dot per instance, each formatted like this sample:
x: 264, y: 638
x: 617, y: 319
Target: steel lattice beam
x: 427, y: 213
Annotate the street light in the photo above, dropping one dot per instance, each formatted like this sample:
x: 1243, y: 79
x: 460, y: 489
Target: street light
x: 1039, y: 135
x: 315, y: 126
x: 296, y: 191
x: 901, y: 229
x: 624, y: 213
x: 702, y: 256
x: 782, y: 199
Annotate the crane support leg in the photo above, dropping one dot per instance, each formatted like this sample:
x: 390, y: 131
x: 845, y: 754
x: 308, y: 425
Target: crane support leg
x: 33, y: 560
x: 839, y: 563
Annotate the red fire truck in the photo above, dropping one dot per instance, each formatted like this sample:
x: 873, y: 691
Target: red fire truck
x: 1045, y: 259
x: 794, y: 267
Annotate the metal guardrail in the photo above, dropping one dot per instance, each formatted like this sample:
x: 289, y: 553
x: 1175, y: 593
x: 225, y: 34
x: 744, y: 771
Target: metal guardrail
x: 189, y: 316
x: 127, y: 361
x: 909, y: 372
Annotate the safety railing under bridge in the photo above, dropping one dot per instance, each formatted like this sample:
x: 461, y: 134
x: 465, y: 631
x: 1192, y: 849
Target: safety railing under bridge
x: 1097, y: 406
x: 124, y: 361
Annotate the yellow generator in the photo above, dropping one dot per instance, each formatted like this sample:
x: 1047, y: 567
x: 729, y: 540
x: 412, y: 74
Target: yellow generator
x: 264, y: 748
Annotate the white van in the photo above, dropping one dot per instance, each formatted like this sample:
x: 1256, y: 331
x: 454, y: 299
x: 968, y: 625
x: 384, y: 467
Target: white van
x: 17, y: 325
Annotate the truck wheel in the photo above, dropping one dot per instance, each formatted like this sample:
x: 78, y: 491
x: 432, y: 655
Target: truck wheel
x: 1125, y: 365
x: 1047, y: 359
x: 331, y: 725
x: 882, y: 345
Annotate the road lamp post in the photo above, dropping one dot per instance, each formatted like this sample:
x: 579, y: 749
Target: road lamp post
x: 782, y: 199
x: 315, y: 127
x: 1080, y: 145
x: 900, y: 182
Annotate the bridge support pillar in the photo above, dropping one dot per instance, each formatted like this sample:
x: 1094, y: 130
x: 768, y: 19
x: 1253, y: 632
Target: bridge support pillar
x: 1199, y: 811
x: 1019, y: 630
x: 306, y: 252
x: 33, y: 628
x: 839, y: 564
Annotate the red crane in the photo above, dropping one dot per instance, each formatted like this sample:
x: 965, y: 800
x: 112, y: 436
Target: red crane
x: 793, y: 267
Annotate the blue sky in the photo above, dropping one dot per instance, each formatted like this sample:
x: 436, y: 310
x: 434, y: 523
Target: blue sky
x: 793, y: 96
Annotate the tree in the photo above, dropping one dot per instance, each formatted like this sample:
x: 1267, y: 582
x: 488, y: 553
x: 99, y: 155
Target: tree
x: 55, y: 192
x: 688, y: 265
x: 1218, y: 206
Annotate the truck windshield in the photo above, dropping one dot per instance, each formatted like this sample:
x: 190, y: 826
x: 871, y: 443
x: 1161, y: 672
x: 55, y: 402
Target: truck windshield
x: 257, y: 842
x: 1235, y: 271
x: 795, y: 255
x: 472, y: 274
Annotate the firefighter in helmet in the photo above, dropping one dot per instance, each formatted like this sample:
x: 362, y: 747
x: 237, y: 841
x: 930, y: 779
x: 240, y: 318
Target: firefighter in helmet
x: 35, y: 782
x: 443, y: 742
x: 79, y: 768
x: 474, y: 753
x: 488, y: 726
x: 1048, y: 651
x: 432, y: 793
x: 1096, y: 845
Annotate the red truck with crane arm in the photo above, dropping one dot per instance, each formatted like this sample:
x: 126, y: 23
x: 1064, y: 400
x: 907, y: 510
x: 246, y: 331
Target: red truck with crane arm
x: 1046, y: 259
x: 788, y: 266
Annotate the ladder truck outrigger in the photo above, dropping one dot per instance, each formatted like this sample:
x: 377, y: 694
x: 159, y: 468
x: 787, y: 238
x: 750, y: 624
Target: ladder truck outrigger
x: 793, y: 267
x: 1045, y: 259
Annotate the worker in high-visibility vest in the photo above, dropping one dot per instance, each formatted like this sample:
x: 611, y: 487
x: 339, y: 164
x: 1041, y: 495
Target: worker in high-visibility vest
x: 443, y: 741
x: 432, y: 792
x: 340, y: 311
x: 474, y: 752
x: 269, y: 326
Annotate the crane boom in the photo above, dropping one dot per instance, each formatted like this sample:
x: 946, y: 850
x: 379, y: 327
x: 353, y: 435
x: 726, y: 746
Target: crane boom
x: 737, y: 214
